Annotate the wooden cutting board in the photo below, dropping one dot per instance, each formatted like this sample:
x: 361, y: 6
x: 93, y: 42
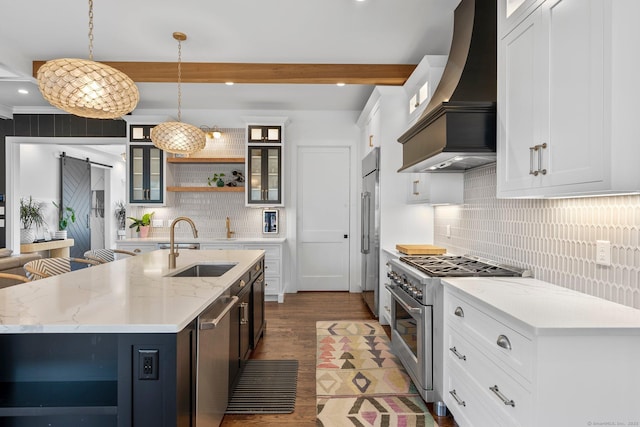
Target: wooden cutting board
x: 421, y: 249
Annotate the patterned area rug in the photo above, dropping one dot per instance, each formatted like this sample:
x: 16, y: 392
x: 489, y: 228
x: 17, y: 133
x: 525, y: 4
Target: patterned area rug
x: 359, y: 382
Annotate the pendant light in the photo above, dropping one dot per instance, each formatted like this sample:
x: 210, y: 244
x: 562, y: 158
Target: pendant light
x: 178, y: 137
x: 87, y: 88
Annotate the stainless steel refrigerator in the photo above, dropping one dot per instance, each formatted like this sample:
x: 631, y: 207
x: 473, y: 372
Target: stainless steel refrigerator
x: 370, y: 229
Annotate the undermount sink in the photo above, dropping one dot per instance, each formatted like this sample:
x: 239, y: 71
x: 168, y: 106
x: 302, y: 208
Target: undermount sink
x: 208, y: 269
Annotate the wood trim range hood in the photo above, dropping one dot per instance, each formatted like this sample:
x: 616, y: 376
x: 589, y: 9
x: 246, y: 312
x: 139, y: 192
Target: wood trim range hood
x: 457, y: 131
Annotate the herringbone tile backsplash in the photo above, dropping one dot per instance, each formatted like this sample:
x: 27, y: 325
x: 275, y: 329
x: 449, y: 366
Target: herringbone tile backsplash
x: 555, y: 239
x: 209, y: 210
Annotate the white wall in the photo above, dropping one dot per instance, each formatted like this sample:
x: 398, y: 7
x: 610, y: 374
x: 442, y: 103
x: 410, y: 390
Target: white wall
x: 36, y: 173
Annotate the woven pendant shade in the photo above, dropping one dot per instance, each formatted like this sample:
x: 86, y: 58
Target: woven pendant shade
x: 178, y: 137
x: 87, y: 88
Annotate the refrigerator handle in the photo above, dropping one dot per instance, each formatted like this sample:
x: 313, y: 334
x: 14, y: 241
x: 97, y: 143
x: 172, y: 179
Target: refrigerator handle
x: 365, y: 212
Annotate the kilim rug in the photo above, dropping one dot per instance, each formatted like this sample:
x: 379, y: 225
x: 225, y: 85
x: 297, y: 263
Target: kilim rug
x: 359, y: 382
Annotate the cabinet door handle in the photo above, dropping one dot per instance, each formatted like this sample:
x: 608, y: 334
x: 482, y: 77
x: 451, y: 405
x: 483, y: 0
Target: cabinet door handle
x: 455, y: 396
x: 502, y: 397
x: 136, y: 250
x: 459, y: 312
x: 458, y: 355
x: 531, y: 171
x: 244, y: 319
x: 415, y: 188
x: 540, y: 148
x: 503, y: 342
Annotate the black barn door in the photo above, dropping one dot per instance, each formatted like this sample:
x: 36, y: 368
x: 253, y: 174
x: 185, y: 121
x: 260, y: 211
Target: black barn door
x: 76, y: 193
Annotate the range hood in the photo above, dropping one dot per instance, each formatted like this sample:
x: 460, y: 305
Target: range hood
x: 457, y: 130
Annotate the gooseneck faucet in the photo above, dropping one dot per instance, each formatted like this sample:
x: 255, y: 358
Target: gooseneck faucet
x: 229, y: 232
x: 173, y: 252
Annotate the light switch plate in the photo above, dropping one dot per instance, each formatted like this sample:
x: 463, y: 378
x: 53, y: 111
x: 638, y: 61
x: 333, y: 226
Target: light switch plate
x: 603, y: 252
x: 156, y: 223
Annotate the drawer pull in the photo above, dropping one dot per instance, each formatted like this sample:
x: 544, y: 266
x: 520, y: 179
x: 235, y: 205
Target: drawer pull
x: 502, y: 397
x: 459, y: 312
x: 458, y: 355
x: 455, y: 396
x: 504, y: 342
x: 243, y: 283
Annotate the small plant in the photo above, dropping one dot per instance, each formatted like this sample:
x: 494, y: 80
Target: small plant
x: 67, y: 216
x: 216, y: 179
x: 141, y: 222
x: 121, y: 215
x: 31, y: 213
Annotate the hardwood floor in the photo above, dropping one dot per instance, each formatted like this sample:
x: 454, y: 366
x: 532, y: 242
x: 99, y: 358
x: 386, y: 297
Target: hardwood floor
x: 291, y: 334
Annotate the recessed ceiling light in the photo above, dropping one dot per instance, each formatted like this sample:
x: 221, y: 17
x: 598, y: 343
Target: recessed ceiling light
x: 229, y: 83
x: 23, y: 91
x: 341, y: 83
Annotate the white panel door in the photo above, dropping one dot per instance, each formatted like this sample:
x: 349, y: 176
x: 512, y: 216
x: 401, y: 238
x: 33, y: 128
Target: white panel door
x: 323, y: 218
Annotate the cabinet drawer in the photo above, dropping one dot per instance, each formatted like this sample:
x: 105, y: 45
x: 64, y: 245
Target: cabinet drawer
x: 271, y: 266
x: 489, y: 375
x: 495, y: 339
x: 272, y: 285
x: 271, y: 252
x: 464, y: 399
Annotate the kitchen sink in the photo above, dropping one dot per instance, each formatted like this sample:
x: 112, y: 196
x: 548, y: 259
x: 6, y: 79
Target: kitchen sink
x: 208, y: 269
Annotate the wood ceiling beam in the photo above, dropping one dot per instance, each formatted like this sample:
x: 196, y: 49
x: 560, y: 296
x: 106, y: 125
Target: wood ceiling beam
x: 207, y: 72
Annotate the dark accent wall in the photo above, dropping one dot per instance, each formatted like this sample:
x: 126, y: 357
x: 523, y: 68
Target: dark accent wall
x: 53, y: 125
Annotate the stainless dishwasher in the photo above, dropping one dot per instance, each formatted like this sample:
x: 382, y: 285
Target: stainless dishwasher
x: 212, y: 371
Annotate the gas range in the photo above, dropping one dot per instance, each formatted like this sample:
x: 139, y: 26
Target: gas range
x: 415, y: 274
x: 417, y: 315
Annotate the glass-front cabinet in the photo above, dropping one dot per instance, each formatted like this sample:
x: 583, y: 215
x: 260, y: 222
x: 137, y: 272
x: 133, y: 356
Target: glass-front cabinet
x: 265, y: 184
x: 146, y: 178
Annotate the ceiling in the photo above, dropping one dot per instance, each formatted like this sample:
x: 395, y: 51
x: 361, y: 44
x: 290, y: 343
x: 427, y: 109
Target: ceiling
x: 233, y: 31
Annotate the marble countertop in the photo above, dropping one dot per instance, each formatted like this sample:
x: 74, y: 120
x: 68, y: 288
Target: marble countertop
x: 131, y: 295
x: 542, y: 308
x: 204, y: 240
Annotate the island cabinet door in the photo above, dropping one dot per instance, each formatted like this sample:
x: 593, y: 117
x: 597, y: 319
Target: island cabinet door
x: 156, y: 379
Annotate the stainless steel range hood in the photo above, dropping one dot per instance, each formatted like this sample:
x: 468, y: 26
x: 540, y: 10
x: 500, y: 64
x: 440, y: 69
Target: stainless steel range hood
x: 457, y: 131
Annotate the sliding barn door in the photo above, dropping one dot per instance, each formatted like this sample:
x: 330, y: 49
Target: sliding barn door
x: 76, y: 193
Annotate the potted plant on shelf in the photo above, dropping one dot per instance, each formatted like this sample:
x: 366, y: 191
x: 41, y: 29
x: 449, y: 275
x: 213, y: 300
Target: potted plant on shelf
x: 30, y: 214
x: 216, y: 179
x: 142, y: 224
x: 67, y: 216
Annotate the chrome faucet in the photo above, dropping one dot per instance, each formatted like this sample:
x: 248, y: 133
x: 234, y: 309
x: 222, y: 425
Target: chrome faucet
x: 229, y: 232
x: 173, y: 252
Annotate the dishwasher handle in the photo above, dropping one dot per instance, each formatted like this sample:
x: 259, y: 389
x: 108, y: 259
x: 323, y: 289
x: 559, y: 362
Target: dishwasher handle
x: 212, y: 323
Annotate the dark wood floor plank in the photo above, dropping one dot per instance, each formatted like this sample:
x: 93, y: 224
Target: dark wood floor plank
x: 291, y: 334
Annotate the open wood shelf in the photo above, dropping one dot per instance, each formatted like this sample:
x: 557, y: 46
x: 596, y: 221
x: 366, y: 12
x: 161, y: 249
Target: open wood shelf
x: 206, y: 189
x: 187, y: 160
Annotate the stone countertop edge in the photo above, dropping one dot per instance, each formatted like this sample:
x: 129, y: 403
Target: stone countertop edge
x: 130, y: 295
x: 204, y: 240
x: 542, y: 308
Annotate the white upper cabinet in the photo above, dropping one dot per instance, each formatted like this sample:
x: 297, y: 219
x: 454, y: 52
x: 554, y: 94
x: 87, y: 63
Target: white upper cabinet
x: 562, y: 82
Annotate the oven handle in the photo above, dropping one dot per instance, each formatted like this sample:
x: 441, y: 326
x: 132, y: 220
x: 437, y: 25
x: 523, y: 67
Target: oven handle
x: 398, y: 297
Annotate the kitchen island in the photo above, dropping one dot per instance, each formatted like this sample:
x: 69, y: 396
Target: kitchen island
x: 74, y: 348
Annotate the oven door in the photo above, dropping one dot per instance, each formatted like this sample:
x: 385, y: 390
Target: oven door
x: 412, y: 338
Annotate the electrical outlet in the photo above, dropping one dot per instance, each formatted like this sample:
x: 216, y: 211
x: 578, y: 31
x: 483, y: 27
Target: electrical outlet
x: 148, y: 364
x: 448, y: 231
x: 603, y: 252
x: 169, y: 221
x: 156, y: 223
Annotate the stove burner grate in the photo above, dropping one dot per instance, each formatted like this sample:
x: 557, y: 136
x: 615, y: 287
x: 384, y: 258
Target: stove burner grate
x: 458, y: 266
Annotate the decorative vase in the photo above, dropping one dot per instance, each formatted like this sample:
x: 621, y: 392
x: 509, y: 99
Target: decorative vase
x: 144, y: 231
x: 61, y: 234
x: 220, y: 183
x: 27, y: 235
